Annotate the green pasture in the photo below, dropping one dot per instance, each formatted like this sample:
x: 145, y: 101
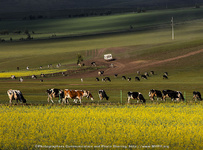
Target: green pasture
x: 35, y: 91
x: 149, y: 40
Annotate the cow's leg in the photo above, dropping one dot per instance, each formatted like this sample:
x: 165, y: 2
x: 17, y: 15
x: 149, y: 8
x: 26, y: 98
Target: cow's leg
x: 80, y: 99
x: 10, y: 98
x: 51, y: 98
x: 52, y: 101
x: 128, y: 100
x: 48, y: 98
x: 75, y: 100
x: 63, y: 100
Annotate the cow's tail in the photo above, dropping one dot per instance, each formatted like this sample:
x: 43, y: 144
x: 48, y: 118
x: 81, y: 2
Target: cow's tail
x: 141, y: 97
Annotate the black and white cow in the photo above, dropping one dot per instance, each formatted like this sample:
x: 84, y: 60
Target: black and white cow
x: 53, y: 93
x: 115, y: 75
x: 34, y: 77
x: 13, y: 77
x: 93, y: 64
x: 165, y: 76
x: 101, y: 73
x: 123, y: 77
x: 137, y: 79
x: 152, y: 72
x: 16, y: 95
x: 136, y: 95
x: 144, y: 77
x: 174, y: 95
x: 21, y: 79
x: 146, y: 74
x: 197, y: 95
x: 102, y: 94
x: 107, y: 79
x: 155, y: 93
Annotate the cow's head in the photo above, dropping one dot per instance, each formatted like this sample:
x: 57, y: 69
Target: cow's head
x: 48, y: 91
x: 89, y: 95
x: 152, y: 94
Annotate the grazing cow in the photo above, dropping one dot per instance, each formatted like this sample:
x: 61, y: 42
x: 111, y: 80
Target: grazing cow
x: 197, y: 95
x: 165, y: 77
x: 34, y: 77
x: 97, y: 79
x: 152, y: 72
x: 144, y: 77
x: 174, y: 95
x: 123, y: 77
x: 146, y: 74
x: 76, y: 94
x: 137, y: 79
x: 153, y: 93
x: 115, y: 75
x: 53, y: 93
x: 102, y: 95
x: 166, y: 73
x: 129, y: 79
x: 136, y: 95
x: 93, y: 64
x: 13, y: 77
x: 16, y: 95
x: 100, y: 73
x: 107, y: 79
x: 21, y: 79
x: 42, y: 75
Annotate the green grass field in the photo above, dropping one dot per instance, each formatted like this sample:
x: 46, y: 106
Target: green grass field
x: 150, y: 39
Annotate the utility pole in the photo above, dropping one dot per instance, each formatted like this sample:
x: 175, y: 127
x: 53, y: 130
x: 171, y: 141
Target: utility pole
x: 172, y: 28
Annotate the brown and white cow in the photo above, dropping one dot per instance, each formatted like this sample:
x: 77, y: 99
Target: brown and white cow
x: 76, y: 94
x: 16, y: 95
x: 197, y: 96
x: 155, y: 93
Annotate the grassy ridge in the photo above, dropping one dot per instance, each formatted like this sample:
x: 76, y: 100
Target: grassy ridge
x: 94, y: 25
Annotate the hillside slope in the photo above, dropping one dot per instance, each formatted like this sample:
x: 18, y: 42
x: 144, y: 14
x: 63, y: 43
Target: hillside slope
x: 50, y: 5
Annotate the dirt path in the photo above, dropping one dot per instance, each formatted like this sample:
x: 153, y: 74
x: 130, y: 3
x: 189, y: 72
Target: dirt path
x: 123, y: 67
x: 126, y: 66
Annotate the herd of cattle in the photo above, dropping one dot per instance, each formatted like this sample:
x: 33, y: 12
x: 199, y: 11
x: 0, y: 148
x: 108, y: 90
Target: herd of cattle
x: 77, y: 95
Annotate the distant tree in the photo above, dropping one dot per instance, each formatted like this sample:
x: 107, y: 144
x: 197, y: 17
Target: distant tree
x: 197, y: 5
x: 79, y: 59
x: 139, y: 10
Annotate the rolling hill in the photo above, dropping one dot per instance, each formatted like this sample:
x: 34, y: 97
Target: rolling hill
x: 10, y: 9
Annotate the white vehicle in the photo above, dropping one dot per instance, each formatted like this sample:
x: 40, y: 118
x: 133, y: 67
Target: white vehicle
x: 108, y: 57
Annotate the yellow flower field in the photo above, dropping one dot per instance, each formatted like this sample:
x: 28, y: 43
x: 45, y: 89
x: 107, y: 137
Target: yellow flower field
x: 30, y: 72
x: 163, y: 126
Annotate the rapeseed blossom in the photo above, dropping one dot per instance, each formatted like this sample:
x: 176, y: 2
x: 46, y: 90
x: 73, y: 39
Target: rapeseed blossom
x: 164, y: 126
